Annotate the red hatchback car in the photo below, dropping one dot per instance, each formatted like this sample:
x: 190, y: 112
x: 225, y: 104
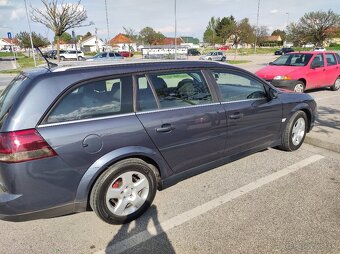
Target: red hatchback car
x: 300, y: 71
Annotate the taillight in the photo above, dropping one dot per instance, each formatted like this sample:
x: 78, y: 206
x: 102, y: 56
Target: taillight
x: 19, y: 146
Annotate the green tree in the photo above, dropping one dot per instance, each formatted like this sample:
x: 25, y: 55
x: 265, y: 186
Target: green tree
x: 150, y: 37
x: 226, y: 28
x: 313, y: 27
x: 38, y: 40
x: 280, y: 33
x: 59, y: 17
x: 210, y: 32
x: 65, y: 37
x: 243, y: 33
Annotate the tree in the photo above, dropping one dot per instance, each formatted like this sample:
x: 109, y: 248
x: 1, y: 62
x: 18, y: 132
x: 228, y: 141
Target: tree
x: 65, y: 38
x: 243, y: 33
x: 226, y: 28
x: 314, y: 27
x: 59, y: 17
x: 130, y: 33
x: 280, y: 33
x: 38, y: 40
x: 261, y: 33
x: 150, y: 36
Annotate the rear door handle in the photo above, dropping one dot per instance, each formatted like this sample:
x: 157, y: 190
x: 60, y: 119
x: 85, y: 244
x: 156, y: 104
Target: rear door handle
x: 165, y: 128
x: 236, y: 116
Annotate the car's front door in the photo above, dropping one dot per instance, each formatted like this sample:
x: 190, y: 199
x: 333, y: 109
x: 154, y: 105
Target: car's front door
x: 253, y: 120
x: 184, y: 121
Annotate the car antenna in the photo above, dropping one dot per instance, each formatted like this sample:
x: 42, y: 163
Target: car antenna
x: 49, y: 64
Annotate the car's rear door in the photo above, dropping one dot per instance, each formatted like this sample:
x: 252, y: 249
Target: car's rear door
x: 332, y: 69
x: 182, y: 117
x: 253, y: 120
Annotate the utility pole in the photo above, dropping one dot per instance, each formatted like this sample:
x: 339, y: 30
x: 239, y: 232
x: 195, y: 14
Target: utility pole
x: 175, y: 31
x: 107, y: 26
x: 29, y: 26
x: 257, y: 24
x: 95, y: 32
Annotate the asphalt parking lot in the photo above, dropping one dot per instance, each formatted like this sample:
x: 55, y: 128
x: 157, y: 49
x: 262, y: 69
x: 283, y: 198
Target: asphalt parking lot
x: 269, y: 202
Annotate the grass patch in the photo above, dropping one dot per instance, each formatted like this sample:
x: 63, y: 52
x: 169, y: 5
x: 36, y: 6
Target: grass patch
x: 23, y: 62
x: 238, y: 61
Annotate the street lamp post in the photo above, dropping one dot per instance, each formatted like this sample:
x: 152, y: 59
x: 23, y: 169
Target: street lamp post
x: 257, y: 24
x: 29, y: 26
x: 175, y: 31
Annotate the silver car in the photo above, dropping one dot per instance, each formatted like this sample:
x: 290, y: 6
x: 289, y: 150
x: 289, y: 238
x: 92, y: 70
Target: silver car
x: 106, y: 56
x: 214, y: 55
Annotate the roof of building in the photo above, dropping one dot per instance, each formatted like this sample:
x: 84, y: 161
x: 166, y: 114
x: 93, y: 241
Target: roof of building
x: 273, y: 38
x: 120, y: 38
x: 171, y: 41
x: 14, y: 41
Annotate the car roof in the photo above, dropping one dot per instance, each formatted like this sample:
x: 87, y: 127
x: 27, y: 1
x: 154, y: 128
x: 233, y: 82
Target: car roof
x: 310, y: 52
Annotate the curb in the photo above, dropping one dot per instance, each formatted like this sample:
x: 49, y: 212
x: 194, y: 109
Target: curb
x: 334, y: 147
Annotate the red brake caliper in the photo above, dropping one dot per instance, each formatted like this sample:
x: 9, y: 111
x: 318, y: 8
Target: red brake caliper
x: 117, y: 184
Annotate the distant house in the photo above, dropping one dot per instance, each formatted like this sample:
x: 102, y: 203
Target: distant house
x: 92, y: 44
x: 122, y: 43
x: 190, y: 42
x: 171, y: 41
x: 273, y: 40
x: 8, y: 44
x: 335, y: 38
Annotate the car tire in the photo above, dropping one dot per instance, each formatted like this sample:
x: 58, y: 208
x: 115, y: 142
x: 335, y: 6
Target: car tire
x: 210, y: 59
x: 223, y: 59
x: 294, y: 132
x: 124, y: 191
x: 336, y: 85
x: 80, y: 58
x: 62, y: 58
x: 299, y: 87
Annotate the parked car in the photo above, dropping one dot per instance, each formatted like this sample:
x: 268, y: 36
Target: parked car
x: 51, y: 54
x: 71, y: 55
x: 106, y: 137
x: 303, y: 71
x: 106, y: 56
x: 125, y: 53
x: 283, y: 51
x: 319, y: 49
x: 225, y: 47
x: 214, y: 55
x: 193, y: 52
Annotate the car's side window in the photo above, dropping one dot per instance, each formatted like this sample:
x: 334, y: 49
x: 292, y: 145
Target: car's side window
x: 180, y: 89
x: 330, y: 59
x: 145, y: 98
x: 237, y: 87
x: 94, y: 99
x: 338, y: 57
x: 111, y: 54
x: 318, y: 60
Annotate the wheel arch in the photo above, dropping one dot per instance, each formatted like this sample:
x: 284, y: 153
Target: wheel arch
x: 304, y: 81
x: 98, y: 167
x: 304, y: 107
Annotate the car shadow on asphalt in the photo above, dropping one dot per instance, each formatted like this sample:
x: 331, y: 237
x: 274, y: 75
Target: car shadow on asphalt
x: 139, y: 239
x: 327, y: 116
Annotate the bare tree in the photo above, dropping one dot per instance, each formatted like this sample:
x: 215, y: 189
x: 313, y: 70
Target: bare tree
x: 59, y: 17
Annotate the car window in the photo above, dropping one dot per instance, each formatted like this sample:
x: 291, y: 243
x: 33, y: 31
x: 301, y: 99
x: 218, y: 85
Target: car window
x: 94, y: 99
x: 330, y: 59
x: 236, y: 87
x: 180, y: 89
x: 111, y: 55
x: 145, y: 98
x: 338, y: 57
x: 296, y: 59
x: 318, y: 60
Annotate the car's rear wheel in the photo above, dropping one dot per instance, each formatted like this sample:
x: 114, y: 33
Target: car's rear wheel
x: 295, y: 132
x: 62, y: 58
x: 210, y: 58
x: 80, y: 58
x: 336, y: 85
x: 124, y: 191
x: 299, y: 87
x: 223, y: 59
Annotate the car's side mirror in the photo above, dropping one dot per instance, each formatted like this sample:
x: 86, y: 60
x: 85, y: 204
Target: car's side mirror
x: 272, y: 93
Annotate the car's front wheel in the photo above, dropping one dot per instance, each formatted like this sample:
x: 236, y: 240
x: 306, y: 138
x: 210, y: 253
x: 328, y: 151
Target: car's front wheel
x: 124, y: 191
x: 295, y: 132
x: 336, y: 85
x: 62, y: 58
x: 299, y: 87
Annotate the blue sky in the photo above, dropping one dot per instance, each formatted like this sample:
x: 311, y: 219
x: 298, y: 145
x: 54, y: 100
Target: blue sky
x: 192, y: 15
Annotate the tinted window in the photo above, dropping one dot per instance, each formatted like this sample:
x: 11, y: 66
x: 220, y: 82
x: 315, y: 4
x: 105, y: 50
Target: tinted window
x: 94, y: 99
x: 236, y: 87
x: 179, y: 89
x: 330, y: 59
x: 111, y: 55
x: 145, y: 98
x: 72, y: 52
x: 318, y: 60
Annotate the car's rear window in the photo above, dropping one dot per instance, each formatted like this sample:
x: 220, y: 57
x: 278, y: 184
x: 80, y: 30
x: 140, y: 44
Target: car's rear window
x: 8, y: 96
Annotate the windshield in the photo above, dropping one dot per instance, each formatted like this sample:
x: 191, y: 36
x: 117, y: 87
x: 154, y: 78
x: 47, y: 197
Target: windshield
x: 7, y: 96
x: 297, y: 59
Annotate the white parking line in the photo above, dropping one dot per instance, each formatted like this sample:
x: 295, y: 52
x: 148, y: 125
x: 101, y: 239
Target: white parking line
x: 154, y: 230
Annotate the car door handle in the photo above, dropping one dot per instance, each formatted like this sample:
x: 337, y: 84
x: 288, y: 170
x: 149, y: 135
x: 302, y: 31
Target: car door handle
x: 236, y: 116
x: 165, y: 128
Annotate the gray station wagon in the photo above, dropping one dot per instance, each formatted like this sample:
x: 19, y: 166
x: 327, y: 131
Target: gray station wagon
x: 106, y: 137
